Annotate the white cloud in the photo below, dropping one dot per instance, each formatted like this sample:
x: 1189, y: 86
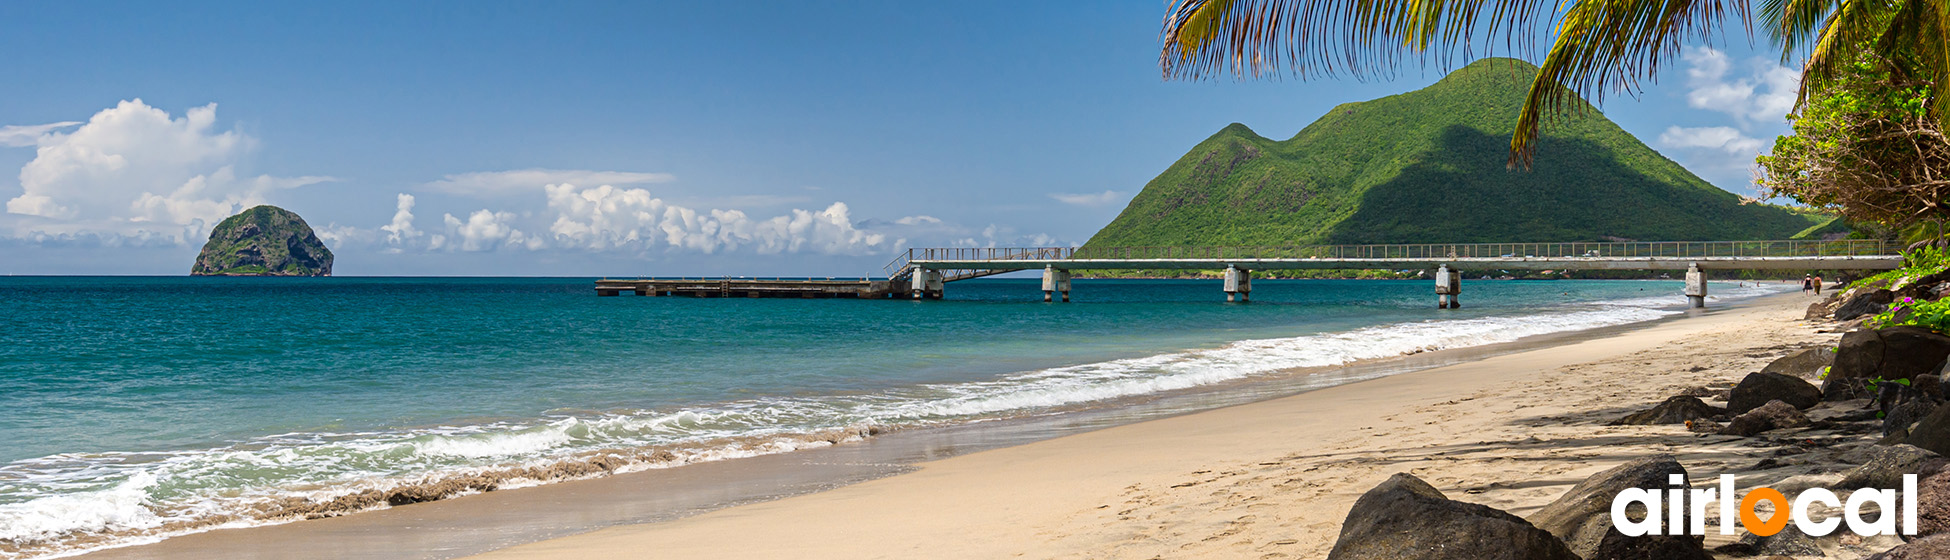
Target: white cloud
x: 28, y: 135
x: 1722, y: 138
x: 401, y: 229
x: 524, y: 181
x: 1096, y: 199
x: 918, y: 220
x: 133, y: 170
x: 1764, y: 94
x: 486, y: 230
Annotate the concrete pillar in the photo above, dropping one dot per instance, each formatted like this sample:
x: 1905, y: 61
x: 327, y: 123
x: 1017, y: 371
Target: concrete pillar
x: 1055, y: 280
x: 1695, y: 286
x: 1239, y: 283
x: 1448, y: 288
x: 927, y: 284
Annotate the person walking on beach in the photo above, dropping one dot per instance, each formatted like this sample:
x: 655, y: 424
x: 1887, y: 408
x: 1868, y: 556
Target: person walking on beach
x: 1807, y: 283
x: 1817, y: 284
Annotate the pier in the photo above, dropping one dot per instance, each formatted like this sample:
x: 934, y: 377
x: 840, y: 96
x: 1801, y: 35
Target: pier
x: 923, y: 273
x: 748, y: 288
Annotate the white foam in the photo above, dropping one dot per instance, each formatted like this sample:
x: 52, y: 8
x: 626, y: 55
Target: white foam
x: 117, y: 508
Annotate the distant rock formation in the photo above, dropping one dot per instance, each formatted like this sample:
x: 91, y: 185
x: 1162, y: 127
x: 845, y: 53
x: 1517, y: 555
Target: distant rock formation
x: 263, y: 241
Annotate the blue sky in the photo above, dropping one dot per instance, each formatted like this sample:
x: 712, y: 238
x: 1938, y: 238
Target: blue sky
x: 478, y: 138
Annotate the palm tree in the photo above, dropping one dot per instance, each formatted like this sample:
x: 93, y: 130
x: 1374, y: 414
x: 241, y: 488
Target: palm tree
x: 1596, y: 45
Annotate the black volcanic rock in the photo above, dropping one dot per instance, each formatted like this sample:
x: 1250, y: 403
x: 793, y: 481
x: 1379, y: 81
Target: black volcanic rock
x: 263, y: 241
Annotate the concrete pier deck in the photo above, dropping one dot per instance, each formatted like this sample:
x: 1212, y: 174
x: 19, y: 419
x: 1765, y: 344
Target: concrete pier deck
x: 746, y: 287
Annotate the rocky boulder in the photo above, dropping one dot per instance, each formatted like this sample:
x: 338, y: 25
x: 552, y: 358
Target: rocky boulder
x: 1759, y: 388
x: 1891, y: 353
x: 1582, y: 516
x: 1926, y: 548
x: 1676, y: 410
x: 1806, y: 363
x: 1886, y: 467
x: 1904, y: 417
x: 1406, y: 519
x: 263, y: 241
x: 1866, y: 303
x: 1932, y: 432
x: 1771, y: 416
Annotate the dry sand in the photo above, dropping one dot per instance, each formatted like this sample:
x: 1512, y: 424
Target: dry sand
x: 1272, y: 479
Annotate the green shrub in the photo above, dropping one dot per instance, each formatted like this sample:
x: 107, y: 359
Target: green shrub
x: 1916, y: 264
x: 1933, y: 315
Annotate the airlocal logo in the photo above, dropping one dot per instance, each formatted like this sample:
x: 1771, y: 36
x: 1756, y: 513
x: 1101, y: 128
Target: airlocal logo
x: 1685, y: 508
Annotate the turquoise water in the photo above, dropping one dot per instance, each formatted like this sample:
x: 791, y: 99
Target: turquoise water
x: 138, y: 407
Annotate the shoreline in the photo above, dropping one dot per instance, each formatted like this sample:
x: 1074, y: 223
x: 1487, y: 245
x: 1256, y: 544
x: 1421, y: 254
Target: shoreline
x: 684, y: 491
x: 1272, y: 478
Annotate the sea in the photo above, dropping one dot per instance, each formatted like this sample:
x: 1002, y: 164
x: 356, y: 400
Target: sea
x: 137, y: 408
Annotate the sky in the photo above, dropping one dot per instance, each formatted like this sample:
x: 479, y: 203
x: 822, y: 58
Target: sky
x: 669, y: 139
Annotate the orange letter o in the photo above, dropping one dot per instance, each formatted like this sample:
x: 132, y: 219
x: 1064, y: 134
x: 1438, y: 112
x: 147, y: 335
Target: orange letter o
x: 1752, y: 521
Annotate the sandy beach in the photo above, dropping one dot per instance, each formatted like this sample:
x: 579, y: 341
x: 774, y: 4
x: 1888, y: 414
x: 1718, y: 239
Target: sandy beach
x: 1272, y: 479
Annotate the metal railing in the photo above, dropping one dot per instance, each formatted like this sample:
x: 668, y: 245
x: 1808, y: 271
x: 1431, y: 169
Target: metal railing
x: 1622, y: 249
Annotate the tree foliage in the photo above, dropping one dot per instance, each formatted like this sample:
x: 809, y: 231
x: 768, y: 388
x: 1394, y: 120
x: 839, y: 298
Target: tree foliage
x: 1865, y: 146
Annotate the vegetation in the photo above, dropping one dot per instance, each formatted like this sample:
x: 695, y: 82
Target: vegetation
x: 1424, y: 167
x: 1596, y: 45
x: 1917, y: 263
x: 1933, y: 315
x: 263, y: 241
x: 1864, y: 148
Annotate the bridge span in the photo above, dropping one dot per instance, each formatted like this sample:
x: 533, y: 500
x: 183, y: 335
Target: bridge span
x: 926, y: 271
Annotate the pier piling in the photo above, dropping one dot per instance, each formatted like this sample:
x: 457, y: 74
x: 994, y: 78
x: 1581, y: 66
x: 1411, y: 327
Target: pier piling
x: 1055, y: 280
x: 1695, y: 287
x: 1239, y: 282
x: 1448, y: 288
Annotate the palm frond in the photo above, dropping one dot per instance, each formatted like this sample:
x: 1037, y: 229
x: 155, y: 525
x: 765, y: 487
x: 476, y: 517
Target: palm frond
x: 1607, y: 45
x: 1254, y: 38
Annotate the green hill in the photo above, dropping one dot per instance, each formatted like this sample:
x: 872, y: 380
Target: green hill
x: 1427, y: 166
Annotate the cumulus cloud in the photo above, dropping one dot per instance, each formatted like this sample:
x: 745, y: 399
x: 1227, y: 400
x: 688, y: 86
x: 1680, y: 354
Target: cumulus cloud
x: 605, y: 217
x: 524, y: 181
x: 134, y: 170
x: 401, y: 229
x: 28, y: 135
x: 1763, y: 93
x: 486, y: 230
x: 1722, y: 138
x: 1088, y: 199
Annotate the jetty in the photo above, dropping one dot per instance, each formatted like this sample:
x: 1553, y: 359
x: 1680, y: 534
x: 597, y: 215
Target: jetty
x: 923, y: 273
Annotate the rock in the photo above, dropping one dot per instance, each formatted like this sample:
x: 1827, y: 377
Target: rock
x: 1582, y: 516
x: 1676, y: 410
x: 263, y: 241
x: 1932, y: 501
x: 1927, y: 548
x: 1761, y: 387
x: 1772, y: 416
x: 1789, y: 542
x: 1405, y: 518
x: 1932, y: 432
x: 1886, y: 467
x: 1704, y: 426
x: 1902, y: 352
x: 1930, y: 384
x: 1907, y: 415
x: 1806, y: 363
x: 1868, y: 303
x: 1816, y: 311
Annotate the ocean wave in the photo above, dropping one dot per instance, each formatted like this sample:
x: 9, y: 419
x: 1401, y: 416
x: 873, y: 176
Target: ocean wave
x: 70, y: 502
